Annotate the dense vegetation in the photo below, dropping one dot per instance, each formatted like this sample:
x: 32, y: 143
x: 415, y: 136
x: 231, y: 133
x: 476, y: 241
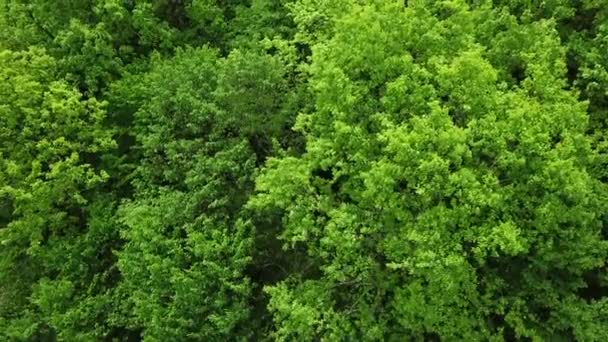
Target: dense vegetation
x: 303, y: 170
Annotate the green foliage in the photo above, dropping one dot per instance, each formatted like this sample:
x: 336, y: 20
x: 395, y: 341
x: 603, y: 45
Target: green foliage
x: 438, y: 195
x: 197, y: 125
x: 50, y: 138
x: 311, y: 170
x: 94, y: 40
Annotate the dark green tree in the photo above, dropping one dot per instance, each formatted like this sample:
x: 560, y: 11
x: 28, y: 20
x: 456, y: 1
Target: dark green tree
x: 201, y: 124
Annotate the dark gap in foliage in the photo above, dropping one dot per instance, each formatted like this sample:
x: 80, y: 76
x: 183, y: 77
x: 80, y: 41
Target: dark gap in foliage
x: 119, y: 184
x: 598, y: 115
x: 458, y: 117
x: 7, y: 207
x: 337, y: 186
x: 341, y: 293
x: 376, y: 91
x: 543, y: 313
x: 124, y: 334
x: 272, y: 51
x: 303, y: 50
x: 604, y: 230
x: 107, y: 267
x: 44, y: 333
x: 444, y: 12
x: 271, y: 262
x: 468, y: 247
x: 583, y: 19
x: 129, y: 5
x: 431, y: 337
x: 517, y: 73
x: 45, y: 166
x: 261, y: 146
x: 512, y: 145
x: 174, y: 13
x: 258, y: 303
x: 92, y: 159
x: 572, y: 69
x: 125, y: 141
x: 401, y: 186
x: 496, y: 321
x: 510, y: 335
x: 125, y: 156
x: 448, y: 202
x: 506, y: 267
x: 596, y: 288
x: 292, y: 140
x: 325, y: 174
x: 231, y: 131
x: 45, y: 235
x: 78, y: 217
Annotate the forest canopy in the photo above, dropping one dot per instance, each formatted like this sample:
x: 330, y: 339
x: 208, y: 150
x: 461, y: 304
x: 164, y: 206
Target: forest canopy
x: 303, y: 170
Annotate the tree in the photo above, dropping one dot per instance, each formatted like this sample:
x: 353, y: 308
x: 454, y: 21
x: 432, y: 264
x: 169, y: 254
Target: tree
x: 55, y: 271
x: 93, y: 41
x: 444, y: 191
x: 198, y: 126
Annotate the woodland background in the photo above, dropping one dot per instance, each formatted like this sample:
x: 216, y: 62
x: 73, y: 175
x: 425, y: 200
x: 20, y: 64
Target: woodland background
x: 303, y: 170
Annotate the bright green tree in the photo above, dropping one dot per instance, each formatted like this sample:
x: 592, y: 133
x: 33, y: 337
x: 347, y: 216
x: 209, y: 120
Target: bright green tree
x: 444, y: 191
x: 55, y: 260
